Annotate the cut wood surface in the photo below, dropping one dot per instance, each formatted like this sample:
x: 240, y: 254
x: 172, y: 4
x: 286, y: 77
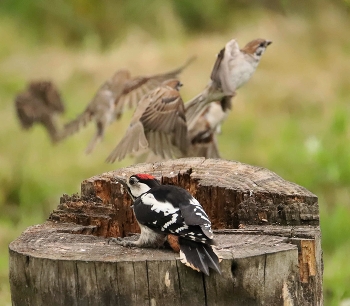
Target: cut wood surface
x: 266, y: 231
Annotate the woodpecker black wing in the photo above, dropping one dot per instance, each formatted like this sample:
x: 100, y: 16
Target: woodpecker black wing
x: 173, y: 210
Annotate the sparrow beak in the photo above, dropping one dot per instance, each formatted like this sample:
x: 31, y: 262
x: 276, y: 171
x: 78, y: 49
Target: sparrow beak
x: 268, y: 42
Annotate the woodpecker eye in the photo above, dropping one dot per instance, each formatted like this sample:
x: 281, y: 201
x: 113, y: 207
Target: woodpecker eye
x: 262, y: 45
x: 133, y: 180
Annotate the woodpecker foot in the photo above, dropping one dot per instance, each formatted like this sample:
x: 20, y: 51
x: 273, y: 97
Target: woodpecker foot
x: 121, y: 241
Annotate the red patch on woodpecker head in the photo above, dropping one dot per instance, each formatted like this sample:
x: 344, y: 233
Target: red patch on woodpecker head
x: 145, y: 176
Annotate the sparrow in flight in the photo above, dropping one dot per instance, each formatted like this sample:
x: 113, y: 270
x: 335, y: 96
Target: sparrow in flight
x: 40, y: 103
x: 232, y: 69
x: 158, y: 124
x: 203, y: 135
x: 114, y: 96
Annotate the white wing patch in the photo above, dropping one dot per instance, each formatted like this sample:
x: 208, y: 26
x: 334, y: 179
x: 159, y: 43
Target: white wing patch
x: 198, y: 207
x: 172, y: 221
x: 194, y: 201
x: 178, y: 230
x: 165, y: 207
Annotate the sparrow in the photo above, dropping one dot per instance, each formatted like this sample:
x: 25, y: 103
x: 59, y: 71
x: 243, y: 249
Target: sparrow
x: 158, y: 123
x: 118, y: 93
x: 232, y: 69
x: 100, y: 109
x: 40, y: 103
x: 203, y: 135
x: 171, y: 211
x: 137, y: 87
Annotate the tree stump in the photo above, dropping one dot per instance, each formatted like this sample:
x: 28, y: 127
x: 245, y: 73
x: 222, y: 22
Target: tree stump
x: 266, y: 228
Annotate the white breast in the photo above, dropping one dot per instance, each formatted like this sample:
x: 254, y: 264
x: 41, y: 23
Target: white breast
x: 242, y: 71
x: 215, y: 115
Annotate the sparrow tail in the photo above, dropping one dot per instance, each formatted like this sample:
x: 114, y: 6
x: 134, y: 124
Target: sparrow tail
x: 196, y: 106
x: 50, y: 126
x: 198, y: 256
x: 97, y: 137
x: 74, y: 126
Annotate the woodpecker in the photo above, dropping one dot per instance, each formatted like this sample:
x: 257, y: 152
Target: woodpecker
x: 163, y: 210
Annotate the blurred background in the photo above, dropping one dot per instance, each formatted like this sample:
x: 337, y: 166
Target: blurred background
x: 293, y: 117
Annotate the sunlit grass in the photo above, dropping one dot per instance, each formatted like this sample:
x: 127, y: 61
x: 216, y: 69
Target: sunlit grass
x: 292, y: 117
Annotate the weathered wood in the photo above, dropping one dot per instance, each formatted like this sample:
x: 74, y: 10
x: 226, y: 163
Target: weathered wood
x: 267, y: 233
x: 231, y: 193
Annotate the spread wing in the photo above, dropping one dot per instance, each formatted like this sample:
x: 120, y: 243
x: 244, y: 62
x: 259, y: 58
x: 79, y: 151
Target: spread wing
x: 158, y: 123
x: 29, y: 109
x: 215, y: 72
x: 137, y: 87
x: 224, y: 65
x: 164, y: 121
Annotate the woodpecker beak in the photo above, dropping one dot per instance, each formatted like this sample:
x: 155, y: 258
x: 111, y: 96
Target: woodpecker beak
x: 125, y: 185
x: 268, y: 42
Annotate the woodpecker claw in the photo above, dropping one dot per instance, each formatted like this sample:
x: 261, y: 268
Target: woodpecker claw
x: 121, y: 241
x: 114, y: 240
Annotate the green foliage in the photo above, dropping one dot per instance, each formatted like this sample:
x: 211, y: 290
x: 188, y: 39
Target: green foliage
x: 336, y: 246
x: 292, y: 117
x: 104, y: 22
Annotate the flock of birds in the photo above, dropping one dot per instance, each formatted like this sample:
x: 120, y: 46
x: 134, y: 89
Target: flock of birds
x: 163, y: 126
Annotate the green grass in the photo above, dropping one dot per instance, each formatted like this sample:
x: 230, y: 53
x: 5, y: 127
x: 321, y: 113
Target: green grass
x: 292, y: 117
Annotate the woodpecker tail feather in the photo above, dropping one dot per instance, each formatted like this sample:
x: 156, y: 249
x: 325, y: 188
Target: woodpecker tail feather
x: 198, y: 256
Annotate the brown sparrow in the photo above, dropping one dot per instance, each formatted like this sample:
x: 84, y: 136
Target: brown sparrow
x: 113, y: 97
x: 203, y: 134
x: 100, y: 109
x: 135, y: 88
x: 40, y: 103
x: 232, y: 69
x: 158, y: 124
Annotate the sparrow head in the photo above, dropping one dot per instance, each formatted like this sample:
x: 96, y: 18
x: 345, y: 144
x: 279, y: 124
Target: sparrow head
x: 173, y: 83
x: 256, y: 47
x: 141, y: 183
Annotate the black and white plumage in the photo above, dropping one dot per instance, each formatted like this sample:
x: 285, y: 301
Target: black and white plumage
x: 168, y: 209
